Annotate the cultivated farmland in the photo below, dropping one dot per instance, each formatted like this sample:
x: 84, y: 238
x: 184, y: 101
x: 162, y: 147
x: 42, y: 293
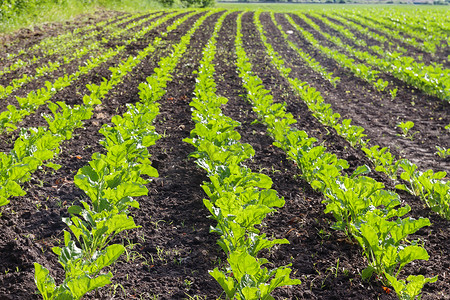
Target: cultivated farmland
x: 204, y: 154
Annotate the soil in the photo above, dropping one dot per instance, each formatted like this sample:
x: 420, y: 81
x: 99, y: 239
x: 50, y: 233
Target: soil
x: 169, y: 256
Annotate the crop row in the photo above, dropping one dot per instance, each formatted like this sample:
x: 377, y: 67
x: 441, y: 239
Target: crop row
x: 428, y: 185
x: 398, y: 24
x: 55, y: 45
x: 34, y: 99
x: 361, y: 206
x: 26, y: 156
x: 52, y: 45
x: 111, y: 181
x: 432, y: 79
x: 77, y: 53
x: 239, y: 199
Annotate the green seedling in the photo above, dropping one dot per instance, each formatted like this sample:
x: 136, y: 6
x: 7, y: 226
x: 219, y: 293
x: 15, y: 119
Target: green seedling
x: 406, y: 129
x: 393, y: 93
x: 442, y: 152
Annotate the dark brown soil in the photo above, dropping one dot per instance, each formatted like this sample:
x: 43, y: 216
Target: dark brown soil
x: 169, y: 256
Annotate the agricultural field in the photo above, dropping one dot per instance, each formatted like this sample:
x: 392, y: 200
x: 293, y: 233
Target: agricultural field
x: 227, y: 154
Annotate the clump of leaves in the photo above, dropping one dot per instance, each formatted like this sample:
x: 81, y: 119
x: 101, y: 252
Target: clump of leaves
x: 406, y: 129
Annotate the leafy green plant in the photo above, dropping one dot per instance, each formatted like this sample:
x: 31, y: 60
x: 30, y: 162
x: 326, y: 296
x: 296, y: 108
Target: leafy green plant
x: 406, y: 129
x: 381, y: 85
x: 442, y: 152
x: 412, y: 289
x: 246, y: 277
x: 382, y: 240
x: 361, y: 206
x: 383, y: 160
x: 238, y: 199
x: 393, y: 93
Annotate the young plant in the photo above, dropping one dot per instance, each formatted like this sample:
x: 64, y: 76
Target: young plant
x: 412, y: 289
x: 383, y: 160
x: 447, y: 127
x: 442, y: 152
x: 393, y: 93
x: 406, y: 129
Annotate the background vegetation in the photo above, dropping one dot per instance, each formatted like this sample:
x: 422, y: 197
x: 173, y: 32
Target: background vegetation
x: 15, y: 14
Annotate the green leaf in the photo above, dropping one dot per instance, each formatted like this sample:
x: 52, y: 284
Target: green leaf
x: 408, y: 226
x: 281, y: 278
x: 125, y: 189
x: 3, y: 201
x: 82, y: 285
x: 107, y: 257
x: 147, y: 169
x: 44, y: 282
x: 361, y: 170
x: 54, y: 166
x: 367, y: 272
x: 250, y: 293
x: 242, y: 263
x: 252, y: 215
x: 116, y: 155
x: 227, y: 283
x: 270, y: 198
x: 411, y: 253
x: 416, y: 283
x: 14, y: 189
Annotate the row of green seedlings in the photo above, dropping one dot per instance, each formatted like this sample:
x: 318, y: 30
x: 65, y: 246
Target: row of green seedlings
x: 360, y: 70
x: 432, y: 79
x: 111, y: 181
x: 60, y: 44
x: 391, y: 46
x: 312, y: 63
x: 49, y: 42
x: 349, y: 35
x: 434, y: 22
x: 45, y: 70
x: 79, y: 52
x: 363, y: 209
x: 33, y: 148
x: 239, y: 199
x: 379, y: 83
x: 353, y: 17
x: 429, y: 21
x: 352, y: 133
x: 34, y: 99
x: 428, y: 185
x: 366, y: 30
x: 50, y: 67
x: 389, y: 33
x: 405, y: 126
x: 430, y: 40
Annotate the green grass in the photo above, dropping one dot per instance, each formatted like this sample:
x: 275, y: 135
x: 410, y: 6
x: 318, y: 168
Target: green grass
x: 49, y: 12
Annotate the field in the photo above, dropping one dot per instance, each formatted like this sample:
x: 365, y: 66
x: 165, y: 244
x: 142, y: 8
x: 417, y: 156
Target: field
x: 220, y: 109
